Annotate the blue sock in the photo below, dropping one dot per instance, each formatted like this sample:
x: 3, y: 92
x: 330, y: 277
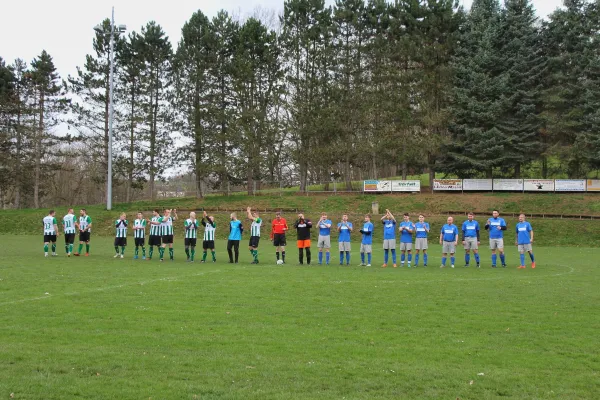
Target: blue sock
x: 503, y: 259
x: 452, y: 259
x: 425, y: 259
x: 347, y: 257
x: 368, y: 258
x: 394, y: 256
x: 362, y: 258
x: 409, y: 257
x: 320, y: 257
x: 522, y: 259
x: 467, y: 258
x: 386, y: 256
x: 402, y: 258
x: 494, y: 257
x: 444, y: 261
x: 531, y: 256
x: 327, y: 257
x: 477, y: 258
x: 416, y: 259
x: 341, y: 257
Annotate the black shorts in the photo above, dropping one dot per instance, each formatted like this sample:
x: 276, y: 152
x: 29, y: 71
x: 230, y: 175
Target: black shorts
x: 84, y: 236
x: 139, y: 242
x: 208, y: 244
x: 69, y: 238
x: 120, y: 241
x: 49, y: 238
x: 254, y: 241
x: 167, y: 239
x: 279, y: 239
x: 190, y: 242
x: 154, y: 240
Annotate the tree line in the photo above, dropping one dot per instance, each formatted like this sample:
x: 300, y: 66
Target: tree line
x: 362, y: 89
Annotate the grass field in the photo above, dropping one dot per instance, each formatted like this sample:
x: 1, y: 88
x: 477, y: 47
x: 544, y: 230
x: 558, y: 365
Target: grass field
x: 104, y: 328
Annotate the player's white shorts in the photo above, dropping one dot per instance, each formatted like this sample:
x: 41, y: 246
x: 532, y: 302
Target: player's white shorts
x: 525, y: 247
x: 366, y: 248
x: 449, y: 247
x: 324, y: 242
x: 496, y: 244
x: 405, y: 246
x: 421, y: 244
x: 389, y: 244
x: 471, y: 243
x: 344, y: 246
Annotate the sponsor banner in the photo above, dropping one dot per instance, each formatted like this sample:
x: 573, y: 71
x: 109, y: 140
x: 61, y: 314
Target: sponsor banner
x: 477, y: 184
x: 593, y: 185
x: 377, y: 186
x: 508, y: 184
x: 569, y: 185
x: 406, y: 186
x: 447, y: 184
x: 539, y: 185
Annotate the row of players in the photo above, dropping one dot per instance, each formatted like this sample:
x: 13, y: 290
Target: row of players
x: 161, y: 236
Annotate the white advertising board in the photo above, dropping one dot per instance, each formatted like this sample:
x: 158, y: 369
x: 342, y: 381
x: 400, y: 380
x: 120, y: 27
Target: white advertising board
x: 569, y: 185
x: 377, y: 186
x: 593, y: 185
x: 447, y: 184
x: 477, y: 184
x: 406, y: 186
x: 508, y: 184
x: 539, y: 185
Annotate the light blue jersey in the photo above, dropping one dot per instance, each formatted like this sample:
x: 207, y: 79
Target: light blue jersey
x: 344, y: 231
x: 235, y: 230
x: 389, y: 229
x: 421, y: 229
x: 496, y: 223
x: 323, y: 229
x: 450, y: 233
x: 523, y: 235
x: 470, y: 229
x: 406, y: 236
x: 367, y: 236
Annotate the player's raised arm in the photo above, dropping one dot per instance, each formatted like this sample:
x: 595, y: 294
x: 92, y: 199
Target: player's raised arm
x: 174, y: 217
x: 249, y: 214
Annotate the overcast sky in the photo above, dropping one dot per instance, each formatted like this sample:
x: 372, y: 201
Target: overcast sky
x: 64, y: 28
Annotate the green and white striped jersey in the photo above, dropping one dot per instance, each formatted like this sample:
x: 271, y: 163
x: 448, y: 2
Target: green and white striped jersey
x: 69, y: 223
x: 84, y: 222
x: 121, y: 228
x: 166, y: 225
x: 255, y: 227
x: 209, y: 230
x: 139, y: 228
x: 191, y: 228
x: 49, y: 222
x: 155, y: 230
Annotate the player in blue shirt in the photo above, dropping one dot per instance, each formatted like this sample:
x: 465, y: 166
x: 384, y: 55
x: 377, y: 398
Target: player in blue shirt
x: 448, y: 240
x: 324, y: 241
x: 366, y: 244
x: 422, y: 229
x: 496, y: 226
x: 524, y: 240
x: 344, y: 228
x: 471, y: 239
x: 235, y: 235
x: 406, y: 231
x: 389, y: 237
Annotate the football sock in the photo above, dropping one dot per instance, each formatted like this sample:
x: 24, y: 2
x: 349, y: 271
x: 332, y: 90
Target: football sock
x: 283, y: 256
x: 424, y: 258
x: 71, y: 248
x: 452, y: 260
x: 80, y: 247
x: 386, y: 256
x: 151, y: 251
x: 362, y: 258
x: 45, y: 248
x: 327, y: 257
x: 477, y: 258
x: 67, y: 248
x: 116, y: 249
x: 301, y: 256
x: 187, y: 251
x: 256, y: 255
x: 87, y: 248
x: 532, y: 257
x: 122, y: 250
x: 308, y: 255
x: 416, y: 259
x: 193, y: 252
x: 161, y: 252
x: 368, y: 258
x: 214, y: 255
x: 409, y: 258
x: 320, y: 257
x: 137, y: 250
x: 341, y: 257
x: 143, y: 251
x: 503, y: 259
x: 394, y: 256
x: 467, y: 258
x: 204, y: 254
x: 347, y: 257
x: 171, y: 253
x: 402, y: 258
x: 494, y: 258
x: 54, y: 248
x: 522, y: 259
x: 277, y: 255
x: 444, y: 261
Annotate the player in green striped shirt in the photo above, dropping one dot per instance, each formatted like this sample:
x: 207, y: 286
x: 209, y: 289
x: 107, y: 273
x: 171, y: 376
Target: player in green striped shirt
x: 50, y: 232
x: 85, y: 230
x: 254, y: 233
x: 155, y: 233
x: 69, y: 223
x: 209, y: 224
x: 121, y: 235
x: 139, y: 235
x: 191, y: 236
x: 166, y: 226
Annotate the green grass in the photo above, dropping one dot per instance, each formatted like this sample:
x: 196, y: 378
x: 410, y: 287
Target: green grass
x: 104, y: 328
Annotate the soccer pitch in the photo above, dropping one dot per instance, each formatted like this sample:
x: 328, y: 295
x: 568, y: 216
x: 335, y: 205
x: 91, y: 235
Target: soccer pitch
x: 104, y: 328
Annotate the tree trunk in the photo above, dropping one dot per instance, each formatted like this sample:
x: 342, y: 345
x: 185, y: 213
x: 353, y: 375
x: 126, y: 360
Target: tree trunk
x: 131, y: 147
x: 106, y: 139
x: 198, y: 142
x: 404, y: 170
x: 544, y: 167
x: 38, y: 155
x: 18, y: 155
x: 518, y: 170
x: 489, y: 174
x: 431, y: 161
